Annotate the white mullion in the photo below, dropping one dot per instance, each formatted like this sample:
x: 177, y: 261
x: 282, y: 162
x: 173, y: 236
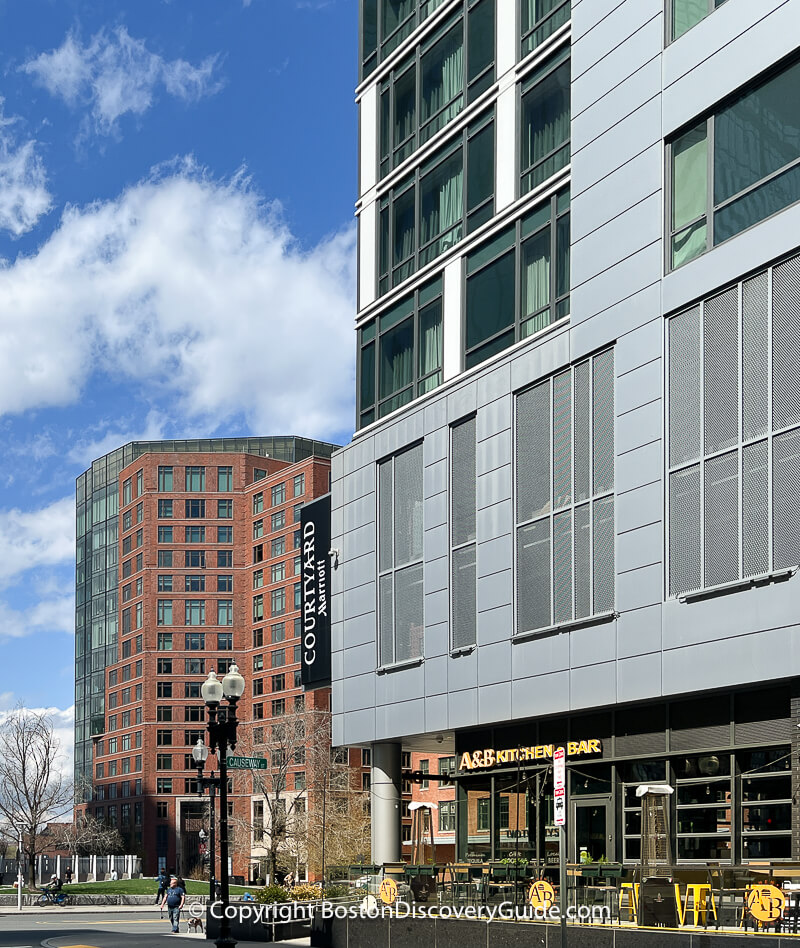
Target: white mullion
x: 702, y: 460
x: 740, y: 423
x: 770, y: 423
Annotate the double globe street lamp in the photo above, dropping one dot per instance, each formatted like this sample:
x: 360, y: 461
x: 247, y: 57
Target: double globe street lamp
x: 221, y: 726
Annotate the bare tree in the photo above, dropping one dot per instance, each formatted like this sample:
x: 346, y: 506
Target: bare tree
x: 88, y: 836
x: 33, y: 788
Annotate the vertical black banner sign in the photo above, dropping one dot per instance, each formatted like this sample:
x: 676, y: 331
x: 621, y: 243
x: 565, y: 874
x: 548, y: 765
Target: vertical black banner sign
x: 315, y: 525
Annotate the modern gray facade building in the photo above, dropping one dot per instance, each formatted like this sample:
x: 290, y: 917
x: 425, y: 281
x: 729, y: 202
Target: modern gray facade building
x: 571, y: 511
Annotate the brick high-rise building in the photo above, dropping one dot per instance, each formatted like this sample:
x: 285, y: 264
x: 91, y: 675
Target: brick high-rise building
x: 186, y: 562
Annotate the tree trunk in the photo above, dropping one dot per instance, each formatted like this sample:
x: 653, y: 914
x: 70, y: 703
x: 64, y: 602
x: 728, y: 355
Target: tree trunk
x: 31, y: 867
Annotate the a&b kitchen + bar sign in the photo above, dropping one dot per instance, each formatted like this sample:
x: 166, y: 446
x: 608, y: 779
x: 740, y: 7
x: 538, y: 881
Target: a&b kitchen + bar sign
x: 315, y: 651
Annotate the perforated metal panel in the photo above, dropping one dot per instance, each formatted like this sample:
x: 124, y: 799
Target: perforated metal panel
x: 603, y: 421
x: 583, y: 562
x: 603, y: 565
x: 721, y: 520
x: 684, y: 531
x: 562, y: 439
x: 464, y: 596
x: 786, y: 499
x: 408, y: 506
x: 385, y: 519
x: 533, y: 577
x: 533, y: 452
x: 721, y: 371
x: 562, y: 566
x: 386, y: 618
x: 408, y: 621
x: 755, y: 509
x: 462, y: 466
x: 755, y: 357
x: 684, y: 387
x: 786, y: 344
x: 581, y: 407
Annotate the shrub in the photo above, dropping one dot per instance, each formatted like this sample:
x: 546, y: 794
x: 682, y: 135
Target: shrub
x: 272, y: 893
x: 335, y: 892
x: 305, y: 892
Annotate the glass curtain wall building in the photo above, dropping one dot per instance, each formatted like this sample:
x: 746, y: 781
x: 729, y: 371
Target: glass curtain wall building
x: 570, y: 510
x: 97, y: 568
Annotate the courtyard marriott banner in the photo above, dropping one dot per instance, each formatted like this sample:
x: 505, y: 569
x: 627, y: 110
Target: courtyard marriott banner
x: 315, y: 525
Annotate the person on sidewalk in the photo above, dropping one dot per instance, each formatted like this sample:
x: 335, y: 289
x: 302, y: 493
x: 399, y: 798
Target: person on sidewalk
x: 174, y: 898
x: 163, y: 884
x: 68, y: 875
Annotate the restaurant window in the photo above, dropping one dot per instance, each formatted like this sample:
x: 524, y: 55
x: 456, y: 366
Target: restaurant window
x: 539, y: 19
x: 463, y: 515
x: 428, y: 88
x: 684, y: 14
x: 400, y: 353
x: 746, y: 185
x: 517, y: 283
x: 400, y: 582
x: 633, y: 774
x: 703, y: 803
x: 545, y: 122
x: 733, y: 377
x: 565, y: 499
x: 766, y: 803
x: 429, y: 211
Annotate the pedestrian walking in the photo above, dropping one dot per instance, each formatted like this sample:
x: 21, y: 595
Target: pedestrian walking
x: 163, y: 884
x: 68, y: 874
x: 174, y: 898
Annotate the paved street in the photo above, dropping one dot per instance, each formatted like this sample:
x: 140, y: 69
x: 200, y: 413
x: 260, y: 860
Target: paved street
x: 106, y: 928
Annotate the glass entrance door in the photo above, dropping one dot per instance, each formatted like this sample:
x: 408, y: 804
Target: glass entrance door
x: 591, y: 830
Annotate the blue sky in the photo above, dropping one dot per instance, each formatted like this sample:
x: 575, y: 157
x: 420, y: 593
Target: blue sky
x: 177, y: 258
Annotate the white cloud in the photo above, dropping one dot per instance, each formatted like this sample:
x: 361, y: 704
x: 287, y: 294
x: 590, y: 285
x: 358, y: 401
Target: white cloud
x: 195, y: 289
x: 115, y: 74
x: 24, y: 197
x: 116, y: 433
x: 38, y: 538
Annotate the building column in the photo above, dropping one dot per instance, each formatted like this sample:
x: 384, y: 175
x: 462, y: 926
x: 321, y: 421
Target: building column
x: 385, y: 789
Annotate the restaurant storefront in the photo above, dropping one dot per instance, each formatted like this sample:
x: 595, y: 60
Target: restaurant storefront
x: 730, y: 758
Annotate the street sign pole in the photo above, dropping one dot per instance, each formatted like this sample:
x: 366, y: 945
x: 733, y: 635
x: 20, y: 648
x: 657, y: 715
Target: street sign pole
x: 560, y: 806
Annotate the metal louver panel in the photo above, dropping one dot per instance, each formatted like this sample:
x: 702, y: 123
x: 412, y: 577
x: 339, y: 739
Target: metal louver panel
x: 721, y: 525
x: 786, y: 499
x: 763, y: 717
x: 684, y: 531
x: 408, y: 506
x: 386, y: 619
x: 562, y: 566
x: 786, y: 344
x: 700, y: 723
x: 684, y: 387
x: 583, y: 562
x: 385, y: 519
x: 603, y: 421
x: 463, y: 482
x: 699, y: 737
x: 533, y: 580
x: 755, y: 509
x: 635, y: 745
x: 603, y: 565
x: 533, y: 452
x: 763, y: 732
x: 755, y: 357
x: 464, y: 597
x: 562, y: 439
x: 408, y: 619
x: 721, y: 371
x: 582, y: 433
x: 641, y: 733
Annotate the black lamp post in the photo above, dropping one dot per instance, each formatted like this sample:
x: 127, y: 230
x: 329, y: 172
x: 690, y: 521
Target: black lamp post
x: 222, y: 724
x: 200, y: 754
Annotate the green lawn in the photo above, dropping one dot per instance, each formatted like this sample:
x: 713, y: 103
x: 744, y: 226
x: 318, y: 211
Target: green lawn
x: 136, y: 887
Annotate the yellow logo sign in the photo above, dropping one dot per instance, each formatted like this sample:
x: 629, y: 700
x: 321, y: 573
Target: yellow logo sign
x: 541, y: 895
x: 765, y: 902
x: 388, y: 891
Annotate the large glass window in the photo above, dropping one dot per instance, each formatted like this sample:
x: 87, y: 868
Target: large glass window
x: 400, y: 582
x: 565, y: 500
x: 753, y: 164
x: 539, y: 19
x: 684, y: 14
x: 703, y: 807
x: 734, y: 434
x: 502, y: 308
x: 400, y: 353
x: 545, y: 118
x: 195, y: 478
x: 431, y: 210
